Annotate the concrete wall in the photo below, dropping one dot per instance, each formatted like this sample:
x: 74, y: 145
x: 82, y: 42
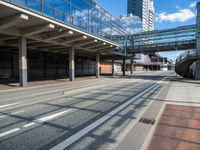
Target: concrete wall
x: 105, y: 68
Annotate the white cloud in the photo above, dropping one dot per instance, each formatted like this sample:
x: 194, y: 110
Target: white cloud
x: 178, y: 7
x: 181, y: 15
x: 193, y: 4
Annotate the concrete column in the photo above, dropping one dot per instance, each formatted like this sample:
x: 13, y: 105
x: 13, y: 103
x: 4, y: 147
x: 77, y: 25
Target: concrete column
x: 124, y: 66
x: 113, y: 67
x: 23, y: 81
x: 97, y: 65
x: 132, y: 66
x: 197, y: 68
x: 71, y: 64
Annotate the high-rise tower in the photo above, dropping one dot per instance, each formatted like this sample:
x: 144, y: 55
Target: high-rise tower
x: 145, y: 10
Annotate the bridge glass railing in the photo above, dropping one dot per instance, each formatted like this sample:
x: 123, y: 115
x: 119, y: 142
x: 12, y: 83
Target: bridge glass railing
x: 85, y: 15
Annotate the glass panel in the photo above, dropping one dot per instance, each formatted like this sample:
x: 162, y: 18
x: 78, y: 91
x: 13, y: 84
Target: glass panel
x: 83, y: 14
x: 34, y: 4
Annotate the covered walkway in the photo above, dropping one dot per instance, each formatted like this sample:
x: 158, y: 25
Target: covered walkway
x: 40, y: 41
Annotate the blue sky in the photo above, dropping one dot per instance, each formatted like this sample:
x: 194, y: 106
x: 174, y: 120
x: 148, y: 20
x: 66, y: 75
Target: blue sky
x: 169, y: 14
x: 169, y: 7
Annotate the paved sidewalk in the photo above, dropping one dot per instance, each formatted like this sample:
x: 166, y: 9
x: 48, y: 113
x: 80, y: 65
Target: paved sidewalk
x: 179, y: 124
x: 178, y: 129
x: 15, y: 85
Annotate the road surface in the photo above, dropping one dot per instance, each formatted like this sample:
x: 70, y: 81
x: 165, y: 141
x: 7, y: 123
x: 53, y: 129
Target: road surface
x: 87, y: 114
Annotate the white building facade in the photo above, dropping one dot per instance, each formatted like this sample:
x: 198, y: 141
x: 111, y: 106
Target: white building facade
x: 145, y: 10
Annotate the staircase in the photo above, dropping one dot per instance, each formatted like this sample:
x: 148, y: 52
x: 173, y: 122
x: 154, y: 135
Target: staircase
x: 184, y: 62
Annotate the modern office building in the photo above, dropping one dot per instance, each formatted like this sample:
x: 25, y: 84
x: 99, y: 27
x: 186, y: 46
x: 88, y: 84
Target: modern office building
x: 151, y: 16
x: 56, y: 39
x: 143, y: 9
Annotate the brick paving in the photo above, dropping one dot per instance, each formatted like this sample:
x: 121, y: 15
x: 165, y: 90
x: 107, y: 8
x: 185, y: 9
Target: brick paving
x: 178, y: 129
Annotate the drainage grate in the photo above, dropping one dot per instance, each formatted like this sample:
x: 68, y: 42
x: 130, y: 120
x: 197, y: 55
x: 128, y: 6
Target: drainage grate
x: 147, y: 121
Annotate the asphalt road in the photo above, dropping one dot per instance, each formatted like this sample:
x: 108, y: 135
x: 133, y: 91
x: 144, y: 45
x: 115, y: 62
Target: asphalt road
x: 92, y: 114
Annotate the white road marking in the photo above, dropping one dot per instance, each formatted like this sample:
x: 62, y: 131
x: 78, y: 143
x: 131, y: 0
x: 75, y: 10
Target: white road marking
x: 7, y: 105
x: 124, y: 132
x: 64, y: 144
x: 42, y: 120
x: 9, y: 132
x: 18, y: 112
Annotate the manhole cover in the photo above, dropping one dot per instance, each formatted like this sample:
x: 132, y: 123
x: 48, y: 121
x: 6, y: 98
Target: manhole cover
x: 147, y: 121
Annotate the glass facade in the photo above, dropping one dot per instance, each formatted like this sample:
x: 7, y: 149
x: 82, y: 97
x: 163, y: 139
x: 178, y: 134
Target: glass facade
x: 133, y: 25
x: 86, y: 15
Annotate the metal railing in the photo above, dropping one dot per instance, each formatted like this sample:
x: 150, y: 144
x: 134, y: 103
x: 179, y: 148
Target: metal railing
x: 189, y: 54
x: 165, y: 44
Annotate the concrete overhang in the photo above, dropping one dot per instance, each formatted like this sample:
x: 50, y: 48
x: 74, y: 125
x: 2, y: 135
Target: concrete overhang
x: 16, y: 21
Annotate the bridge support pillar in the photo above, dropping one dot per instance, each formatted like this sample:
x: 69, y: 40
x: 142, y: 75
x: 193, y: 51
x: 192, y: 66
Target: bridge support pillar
x: 197, y: 70
x: 71, y: 64
x: 197, y: 65
x: 124, y: 66
x: 132, y: 66
x: 23, y: 81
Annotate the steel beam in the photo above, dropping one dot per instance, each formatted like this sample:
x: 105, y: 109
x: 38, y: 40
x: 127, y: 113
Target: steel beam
x: 95, y: 46
x: 74, y: 39
x: 4, y: 38
x: 86, y: 42
x: 12, y: 20
x: 37, y: 29
x: 59, y: 35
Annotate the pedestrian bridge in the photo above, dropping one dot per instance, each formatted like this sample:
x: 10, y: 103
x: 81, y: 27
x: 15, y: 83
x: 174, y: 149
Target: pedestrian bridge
x: 183, y: 63
x: 180, y: 38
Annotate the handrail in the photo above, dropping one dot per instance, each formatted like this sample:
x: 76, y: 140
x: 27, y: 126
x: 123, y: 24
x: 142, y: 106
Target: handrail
x: 186, y: 55
x: 143, y: 45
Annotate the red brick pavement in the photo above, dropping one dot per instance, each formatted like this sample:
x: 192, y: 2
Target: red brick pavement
x: 178, y: 129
